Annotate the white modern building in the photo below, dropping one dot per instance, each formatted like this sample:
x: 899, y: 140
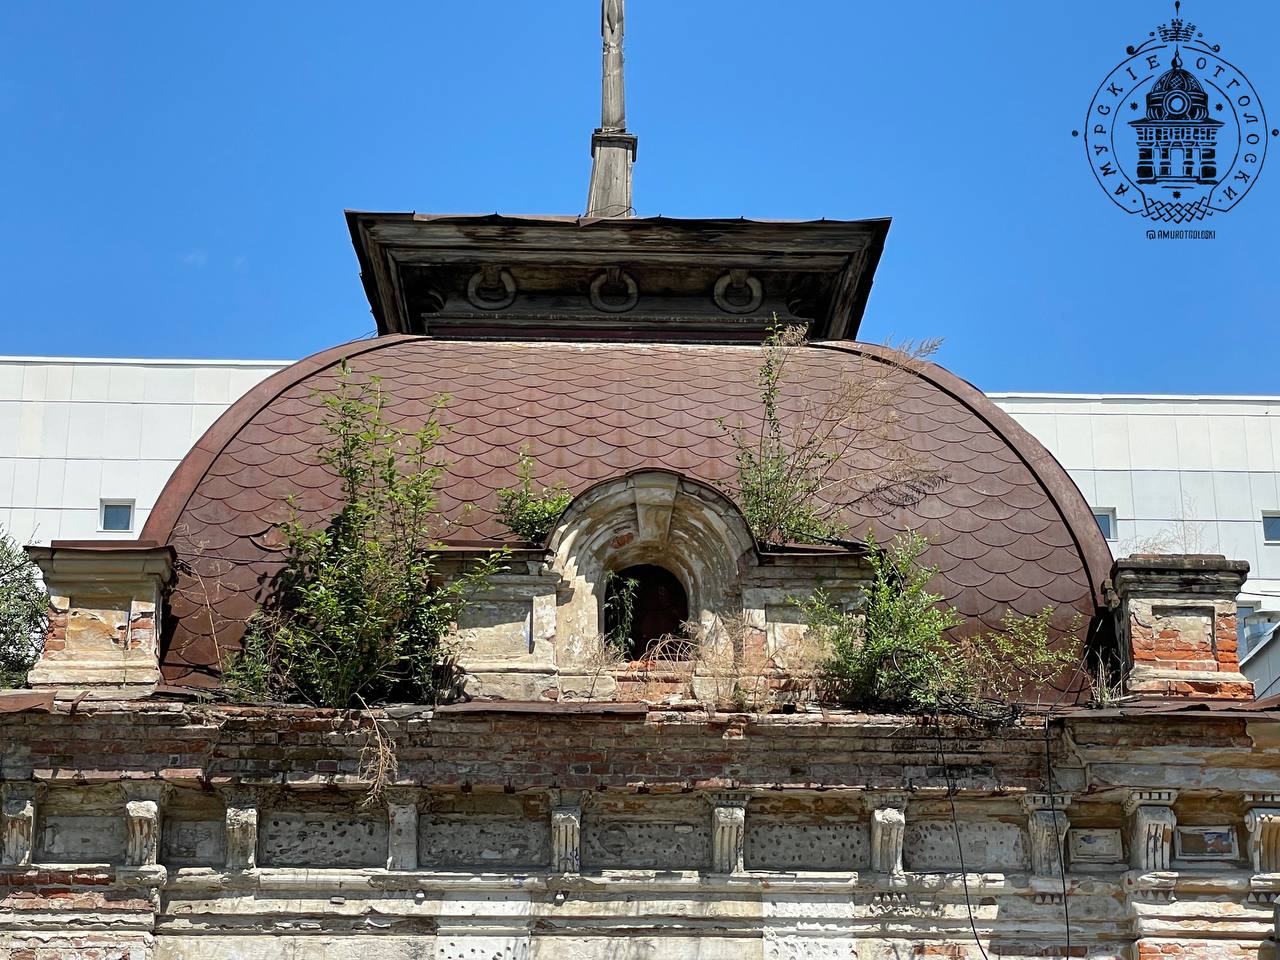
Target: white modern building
x: 87, y: 445
x: 1179, y: 474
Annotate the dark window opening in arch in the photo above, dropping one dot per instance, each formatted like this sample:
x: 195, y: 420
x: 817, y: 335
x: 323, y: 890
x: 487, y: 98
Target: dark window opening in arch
x: 643, y: 604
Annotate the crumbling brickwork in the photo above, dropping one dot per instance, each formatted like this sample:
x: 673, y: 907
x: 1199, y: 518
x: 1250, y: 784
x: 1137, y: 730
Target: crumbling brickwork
x: 541, y: 831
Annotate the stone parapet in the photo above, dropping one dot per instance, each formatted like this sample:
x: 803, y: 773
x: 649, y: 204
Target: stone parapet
x: 1177, y: 624
x: 196, y: 831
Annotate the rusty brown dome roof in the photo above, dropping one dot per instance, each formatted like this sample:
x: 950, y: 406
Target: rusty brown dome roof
x: 1008, y: 530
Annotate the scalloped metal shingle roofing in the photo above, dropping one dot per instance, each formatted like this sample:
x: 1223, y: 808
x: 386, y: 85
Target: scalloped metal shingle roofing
x: 1009, y: 529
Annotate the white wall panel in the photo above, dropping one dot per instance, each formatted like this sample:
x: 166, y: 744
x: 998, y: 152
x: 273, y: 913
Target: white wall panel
x: 1227, y: 443
x: 1262, y: 453
x: 125, y: 384
x: 1233, y: 497
x: 166, y: 431
x: 1194, y: 450
x: 1075, y: 443
x: 119, y: 480
x: 91, y: 383
x: 1110, y: 442
x: 55, y: 429
x: 83, y: 483
x: 51, y: 478
x: 1153, y: 443
x: 1114, y: 488
x: 86, y: 430
x: 122, y: 431
x: 26, y: 474
x: 57, y: 384
x: 1157, y: 495
x: 167, y: 385
x: 35, y: 377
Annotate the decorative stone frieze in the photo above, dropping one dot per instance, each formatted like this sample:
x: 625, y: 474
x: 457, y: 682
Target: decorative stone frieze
x: 241, y: 827
x: 1262, y: 820
x: 402, y: 823
x: 1178, y: 625
x: 1151, y: 825
x: 105, y: 599
x: 888, y: 828
x: 1047, y: 826
x: 18, y: 808
x: 728, y: 828
x: 143, y: 809
x: 566, y: 834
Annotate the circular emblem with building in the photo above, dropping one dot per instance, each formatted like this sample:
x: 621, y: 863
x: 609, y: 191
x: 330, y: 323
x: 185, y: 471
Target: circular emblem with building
x: 1175, y: 132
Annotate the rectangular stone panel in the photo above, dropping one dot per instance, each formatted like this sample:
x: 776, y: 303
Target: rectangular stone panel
x: 193, y: 843
x: 1205, y: 843
x: 987, y: 845
x: 288, y: 839
x: 81, y: 839
x: 1095, y: 845
x: 489, y: 629
x: 790, y: 844
x: 452, y: 842
x: 647, y: 836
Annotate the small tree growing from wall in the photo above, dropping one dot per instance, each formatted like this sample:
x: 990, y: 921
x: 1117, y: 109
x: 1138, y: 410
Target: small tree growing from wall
x: 796, y: 474
x: 363, y: 611
x: 894, y: 649
x: 531, y: 512
x: 24, y: 610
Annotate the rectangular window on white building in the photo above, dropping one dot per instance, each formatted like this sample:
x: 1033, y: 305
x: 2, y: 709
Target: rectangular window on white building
x: 1271, y: 527
x: 1106, y: 517
x: 116, y: 516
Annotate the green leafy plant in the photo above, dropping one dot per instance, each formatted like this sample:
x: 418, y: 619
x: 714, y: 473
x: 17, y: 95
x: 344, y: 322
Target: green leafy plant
x: 363, y: 611
x: 1004, y: 666
x: 619, y: 610
x: 24, y: 609
x: 891, y: 650
x: 894, y: 650
x: 795, y: 474
x: 531, y: 513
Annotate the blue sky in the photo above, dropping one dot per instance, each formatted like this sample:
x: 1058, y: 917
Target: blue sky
x: 175, y: 173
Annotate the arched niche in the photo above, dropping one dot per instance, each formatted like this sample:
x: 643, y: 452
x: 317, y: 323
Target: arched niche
x: 653, y: 517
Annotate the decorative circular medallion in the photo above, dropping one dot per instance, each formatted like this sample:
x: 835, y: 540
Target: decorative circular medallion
x: 491, y: 288
x: 738, y: 292
x: 614, y: 291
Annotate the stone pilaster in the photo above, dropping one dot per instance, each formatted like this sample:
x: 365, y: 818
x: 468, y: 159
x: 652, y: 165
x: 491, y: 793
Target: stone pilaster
x: 888, y: 829
x: 566, y: 834
x: 402, y: 836
x: 1262, y: 820
x: 1047, y: 826
x: 143, y: 810
x: 18, y: 809
x: 1151, y: 824
x: 1177, y: 622
x: 728, y: 829
x: 105, y: 599
x: 241, y: 827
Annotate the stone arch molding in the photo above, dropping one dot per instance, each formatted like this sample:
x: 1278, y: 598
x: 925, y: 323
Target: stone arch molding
x: 657, y: 517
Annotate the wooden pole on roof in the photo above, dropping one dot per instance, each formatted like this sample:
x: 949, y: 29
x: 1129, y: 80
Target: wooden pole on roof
x: 613, y: 149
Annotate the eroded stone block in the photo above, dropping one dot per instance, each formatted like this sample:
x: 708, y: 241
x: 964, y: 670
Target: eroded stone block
x: 484, y: 843
x: 793, y: 844
x: 990, y: 845
x: 646, y: 837
x: 193, y: 843
x: 81, y: 839
x: 290, y: 839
